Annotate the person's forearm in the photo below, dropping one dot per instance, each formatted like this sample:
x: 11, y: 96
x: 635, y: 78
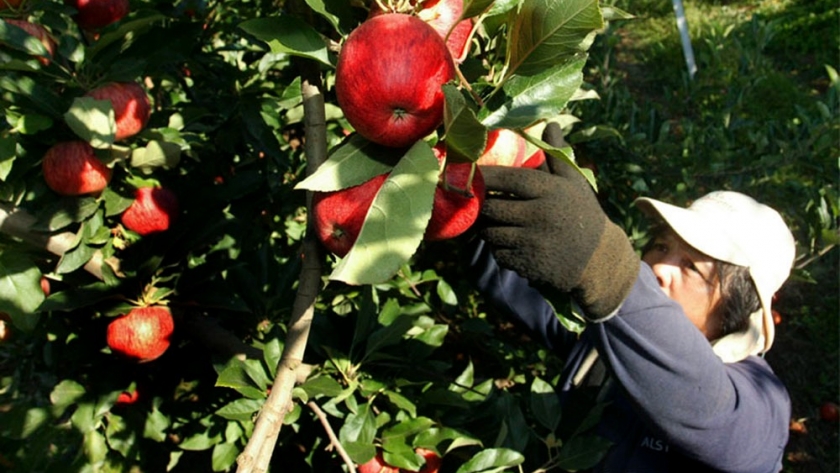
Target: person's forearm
x: 682, y: 389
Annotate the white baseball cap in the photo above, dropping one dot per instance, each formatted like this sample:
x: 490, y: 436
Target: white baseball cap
x: 735, y: 228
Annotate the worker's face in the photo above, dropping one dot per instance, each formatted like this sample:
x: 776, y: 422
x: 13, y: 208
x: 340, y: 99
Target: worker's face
x: 688, y: 277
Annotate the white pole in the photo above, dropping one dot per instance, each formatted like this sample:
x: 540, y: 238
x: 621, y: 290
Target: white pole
x: 682, y: 25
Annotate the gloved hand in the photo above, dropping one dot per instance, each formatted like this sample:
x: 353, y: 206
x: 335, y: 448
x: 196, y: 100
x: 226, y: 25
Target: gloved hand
x: 550, y: 228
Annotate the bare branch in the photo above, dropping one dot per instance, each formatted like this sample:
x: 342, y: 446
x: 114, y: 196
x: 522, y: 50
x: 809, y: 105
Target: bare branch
x: 257, y: 453
x: 351, y: 467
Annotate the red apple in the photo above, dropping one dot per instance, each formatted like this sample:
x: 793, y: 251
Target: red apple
x: 142, y: 334
x: 455, y: 207
x: 443, y: 16
x: 830, y: 412
x: 45, y: 286
x: 377, y: 465
x: 154, y: 210
x: 504, y: 148
x: 95, y: 14
x: 127, y: 398
x: 130, y: 103
x: 339, y: 215
x: 777, y: 317
x: 38, y: 32
x: 535, y: 160
x: 389, y: 76
x: 72, y: 168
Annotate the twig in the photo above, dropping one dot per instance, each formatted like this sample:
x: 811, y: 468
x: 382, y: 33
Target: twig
x: 18, y: 223
x: 257, y: 453
x: 331, y: 434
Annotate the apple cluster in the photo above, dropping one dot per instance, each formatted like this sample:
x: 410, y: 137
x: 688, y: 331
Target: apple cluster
x: 72, y: 168
x: 388, y: 82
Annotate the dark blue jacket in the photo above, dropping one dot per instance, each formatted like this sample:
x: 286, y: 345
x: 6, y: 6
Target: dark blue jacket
x: 675, y: 404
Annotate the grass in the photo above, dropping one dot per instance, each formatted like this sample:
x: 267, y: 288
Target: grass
x: 759, y: 116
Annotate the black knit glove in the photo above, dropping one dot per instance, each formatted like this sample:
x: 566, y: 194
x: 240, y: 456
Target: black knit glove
x: 550, y: 228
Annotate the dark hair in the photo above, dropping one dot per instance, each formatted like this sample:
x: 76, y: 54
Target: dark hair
x: 738, y: 295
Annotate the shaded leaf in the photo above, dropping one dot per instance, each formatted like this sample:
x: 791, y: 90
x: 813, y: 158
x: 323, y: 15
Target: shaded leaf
x: 545, y: 404
x: 466, y: 137
x: 20, y: 289
x: 582, y: 452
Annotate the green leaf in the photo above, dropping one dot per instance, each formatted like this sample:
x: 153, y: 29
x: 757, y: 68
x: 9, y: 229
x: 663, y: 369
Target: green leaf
x: 66, y: 393
x: 17, y: 38
x: 547, y: 32
x: 395, y: 222
x: 74, y: 259
x: 475, y: 7
x: 29, y: 93
x: 290, y: 35
x: 156, y: 154
x: 492, y: 460
x: 401, y: 402
x: 95, y: 446
x: 235, y: 376
x: 446, y: 294
x: 224, y: 456
x: 20, y: 289
x: 466, y: 137
x: 565, y: 154
x: 241, y: 409
x: 538, y: 97
x: 8, y: 153
x: 545, y: 404
x: 407, y: 428
x: 63, y: 212
x: 582, y: 452
x: 389, y: 335
x: 357, y: 434
x: 92, y: 120
x: 355, y: 161
x: 322, y: 386
x: 156, y: 425
x: 200, y: 441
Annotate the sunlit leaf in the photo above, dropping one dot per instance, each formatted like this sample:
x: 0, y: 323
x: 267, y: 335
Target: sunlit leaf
x: 92, y: 120
x: 241, y: 409
x: 492, y: 460
x: 287, y: 34
x: 352, y: 163
x: 538, y: 97
x: 546, y: 32
x: 395, y: 222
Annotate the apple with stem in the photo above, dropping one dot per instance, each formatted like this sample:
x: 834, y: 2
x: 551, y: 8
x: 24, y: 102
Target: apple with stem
x: 130, y: 103
x: 153, y: 210
x: 443, y: 16
x: 389, y: 78
x: 71, y: 168
x: 143, y: 334
x: 458, y: 198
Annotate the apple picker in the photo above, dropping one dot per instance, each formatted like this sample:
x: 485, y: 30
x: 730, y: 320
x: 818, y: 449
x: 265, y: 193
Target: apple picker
x: 673, y: 342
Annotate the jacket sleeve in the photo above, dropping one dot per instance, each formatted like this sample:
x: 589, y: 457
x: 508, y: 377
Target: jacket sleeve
x: 733, y: 417
x: 509, y: 293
